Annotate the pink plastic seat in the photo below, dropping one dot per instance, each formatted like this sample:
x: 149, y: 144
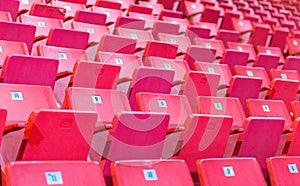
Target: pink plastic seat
x: 164, y: 27
x: 212, y: 44
x: 259, y: 35
x: 11, y: 47
x: 271, y: 51
x: 183, y: 42
x: 243, y: 171
x: 90, y: 17
x: 43, y: 10
x: 199, y: 54
x: 227, y: 36
x: 243, y: 47
x: 233, y: 57
x: 11, y: 7
x: 53, y: 130
x: 267, y: 61
x: 70, y: 8
x: 111, y: 14
x: 210, y: 15
x: 21, y: 69
x: 131, y: 23
x: 117, y: 44
x: 140, y: 172
x: 44, y: 173
x: 160, y: 49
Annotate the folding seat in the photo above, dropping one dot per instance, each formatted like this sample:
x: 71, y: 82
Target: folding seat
x: 21, y: 69
x: 89, y: 17
x: 199, y: 54
x: 107, y: 103
x: 211, y: 15
x: 254, y: 18
x: 11, y: 47
x: 260, y: 35
x: 183, y: 42
x: 5, y: 16
x: 70, y: 7
x: 279, y: 37
x: 108, y: 4
x: 227, y: 23
x: 130, y: 141
x: 43, y: 25
x: 141, y: 36
x: 283, y: 170
x: 111, y: 14
x: 267, y: 61
x: 43, y: 10
x: 96, y: 75
x: 193, y: 32
x: 117, y: 44
x: 148, y: 79
x: 149, y: 18
x: 95, y: 31
x: 160, y: 49
x: 10, y: 6
x: 216, y: 45
x: 164, y: 27
x: 283, y: 89
x: 164, y: 13
x: 292, y: 44
x: 67, y: 58
x: 284, y: 74
x: 130, y: 23
x: 48, y: 134
x: 243, y: 47
x: 199, y: 84
x: 182, y: 22
x: 25, y: 5
x: 10, y: 31
x: 271, y: 50
x: 211, y: 138
x: 242, y: 25
x: 254, y: 72
x: 139, y: 9
x: 167, y: 4
x: 260, y: 139
x: 179, y: 66
x: 221, y: 69
x: 127, y: 62
x: 156, y: 7
x: 227, y: 35
x: 68, y: 38
x: 191, y: 8
x: 213, y: 27
x: 230, y: 171
x: 292, y: 63
x: 239, y: 90
x: 53, y: 172
x: 233, y: 57
x: 145, y: 172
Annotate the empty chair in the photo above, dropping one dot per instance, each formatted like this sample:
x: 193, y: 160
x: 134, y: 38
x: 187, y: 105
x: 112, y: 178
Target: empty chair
x: 284, y: 74
x: 70, y: 7
x: 48, y: 134
x: 5, y: 16
x: 222, y: 69
x: 130, y: 141
x: 117, y: 44
x: 227, y: 36
x: 293, y: 46
x: 259, y: 35
x: 194, y: 31
x: 183, y: 23
x: 230, y: 171
x: 21, y: 69
x: 150, y: 19
x: 183, y: 42
x: 160, y: 49
x: 156, y: 7
x: 108, y: 4
x: 147, y: 172
x: 212, y: 44
x: 234, y: 57
x: 243, y: 47
x: 164, y: 27
x: 211, y: 138
x: 254, y: 72
x: 96, y: 75
x: 260, y: 139
x: 267, y: 61
x: 10, y: 6
x: 95, y: 31
x: 227, y: 22
x: 111, y: 14
x: 210, y: 15
x: 279, y: 37
x: 292, y: 63
x: 199, y: 54
x: 168, y: 13
x: 283, y: 170
x: 43, y: 10
x: 43, y: 25
x: 67, y: 57
x: 139, y: 9
x: 89, y: 17
x: 199, y: 84
x: 238, y: 89
x: 271, y: 51
x: 213, y: 27
x: 67, y: 38
x: 130, y: 23
x: 52, y: 172
x: 11, y: 47
x: 243, y: 26
x: 11, y: 31
x: 191, y: 9
x: 148, y: 79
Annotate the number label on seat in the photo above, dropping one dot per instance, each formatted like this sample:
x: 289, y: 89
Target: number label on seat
x: 16, y: 95
x: 249, y: 73
x: 119, y: 61
x: 1, y: 49
x: 91, y: 30
x: 218, y: 106
x: 54, y: 178
x: 162, y: 103
x: 283, y: 76
x: 293, y: 168
x: 62, y: 55
x: 96, y: 99
x: 41, y: 24
x: 150, y: 174
x: 265, y: 108
x: 228, y: 171
x: 168, y: 66
x: 211, y: 70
